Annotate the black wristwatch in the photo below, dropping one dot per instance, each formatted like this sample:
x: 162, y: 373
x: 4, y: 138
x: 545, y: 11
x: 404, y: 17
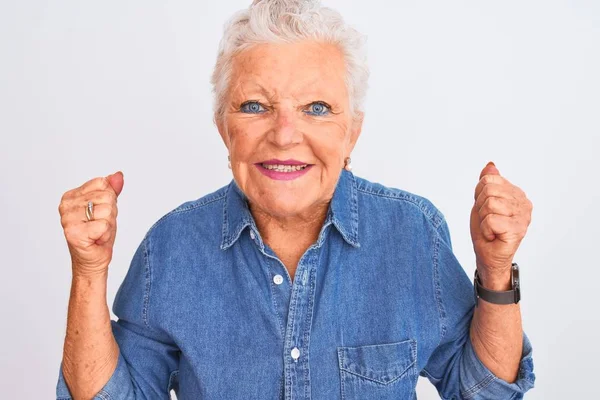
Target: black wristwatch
x: 512, y: 296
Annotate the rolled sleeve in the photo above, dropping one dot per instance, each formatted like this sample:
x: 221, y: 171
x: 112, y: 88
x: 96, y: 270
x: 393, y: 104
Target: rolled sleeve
x: 118, y: 387
x: 478, y: 382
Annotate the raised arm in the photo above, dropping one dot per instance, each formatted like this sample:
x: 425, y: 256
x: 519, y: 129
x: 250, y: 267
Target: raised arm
x: 499, y: 221
x: 133, y: 357
x: 483, y: 352
x: 90, y: 352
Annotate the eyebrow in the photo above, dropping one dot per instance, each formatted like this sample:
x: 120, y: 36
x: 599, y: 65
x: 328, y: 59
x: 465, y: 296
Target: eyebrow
x: 263, y: 90
x: 269, y: 95
x: 266, y: 92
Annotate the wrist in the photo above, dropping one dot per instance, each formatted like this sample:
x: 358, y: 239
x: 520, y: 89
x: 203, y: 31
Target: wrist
x: 495, y: 287
x: 498, y: 279
x: 86, y: 273
x: 90, y: 280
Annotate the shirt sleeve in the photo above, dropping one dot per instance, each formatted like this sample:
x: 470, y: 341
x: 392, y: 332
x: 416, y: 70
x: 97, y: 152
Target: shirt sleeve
x: 454, y: 367
x: 148, y: 359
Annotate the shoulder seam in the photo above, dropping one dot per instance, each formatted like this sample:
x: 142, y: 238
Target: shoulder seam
x: 148, y: 279
x: 438, y: 288
x: 181, y: 209
x: 432, y: 213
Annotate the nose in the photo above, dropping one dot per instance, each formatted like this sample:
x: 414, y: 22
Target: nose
x: 284, y: 132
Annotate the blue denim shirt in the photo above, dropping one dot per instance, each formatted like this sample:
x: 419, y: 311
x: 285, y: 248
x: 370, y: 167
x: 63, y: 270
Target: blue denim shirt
x: 209, y: 310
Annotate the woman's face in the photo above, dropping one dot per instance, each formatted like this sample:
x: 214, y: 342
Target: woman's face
x: 287, y: 125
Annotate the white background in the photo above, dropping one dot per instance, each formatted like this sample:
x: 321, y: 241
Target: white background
x: 88, y: 88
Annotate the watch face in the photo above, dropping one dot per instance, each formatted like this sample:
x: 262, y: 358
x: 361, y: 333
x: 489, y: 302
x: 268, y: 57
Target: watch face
x: 515, y: 276
x: 475, y: 294
x: 516, y: 282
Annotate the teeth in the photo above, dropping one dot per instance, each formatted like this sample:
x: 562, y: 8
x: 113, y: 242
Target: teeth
x: 284, y: 168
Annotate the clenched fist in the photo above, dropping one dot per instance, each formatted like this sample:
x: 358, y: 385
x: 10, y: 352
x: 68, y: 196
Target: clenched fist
x: 91, y: 242
x: 499, y: 221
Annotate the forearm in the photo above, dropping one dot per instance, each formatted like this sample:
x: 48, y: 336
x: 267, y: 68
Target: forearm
x: 90, y: 351
x: 496, y: 332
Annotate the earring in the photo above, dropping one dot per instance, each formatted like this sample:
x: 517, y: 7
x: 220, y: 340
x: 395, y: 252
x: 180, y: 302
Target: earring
x: 347, y: 164
x: 229, y: 162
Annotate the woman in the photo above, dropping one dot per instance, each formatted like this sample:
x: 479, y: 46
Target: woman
x: 298, y: 279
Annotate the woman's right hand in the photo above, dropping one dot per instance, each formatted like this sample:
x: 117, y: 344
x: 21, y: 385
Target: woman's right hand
x: 91, y: 242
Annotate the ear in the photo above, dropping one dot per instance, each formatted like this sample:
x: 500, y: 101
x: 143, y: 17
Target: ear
x: 220, y: 122
x: 355, y: 129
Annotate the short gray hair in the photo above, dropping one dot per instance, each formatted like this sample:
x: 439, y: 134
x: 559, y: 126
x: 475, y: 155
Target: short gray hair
x: 268, y: 21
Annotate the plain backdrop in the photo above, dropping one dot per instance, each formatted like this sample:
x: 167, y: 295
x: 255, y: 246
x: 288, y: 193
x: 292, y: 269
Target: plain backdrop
x: 88, y: 88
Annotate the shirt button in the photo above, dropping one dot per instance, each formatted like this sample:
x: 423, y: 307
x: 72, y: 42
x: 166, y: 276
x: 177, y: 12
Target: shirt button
x: 295, y: 353
x: 252, y: 235
x: 278, y: 279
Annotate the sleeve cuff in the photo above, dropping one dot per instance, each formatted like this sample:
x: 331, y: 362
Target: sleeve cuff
x: 478, y: 382
x: 118, y: 387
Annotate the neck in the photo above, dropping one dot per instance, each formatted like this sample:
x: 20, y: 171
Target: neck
x: 302, y: 228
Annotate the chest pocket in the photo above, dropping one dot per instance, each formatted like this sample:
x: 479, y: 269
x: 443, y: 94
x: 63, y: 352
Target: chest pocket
x: 378, y: 371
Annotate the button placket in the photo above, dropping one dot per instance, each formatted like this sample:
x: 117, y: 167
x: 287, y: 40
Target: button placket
x: 297, y: 310
x: 299, y: 327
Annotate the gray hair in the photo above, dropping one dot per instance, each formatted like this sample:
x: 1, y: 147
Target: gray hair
x: 268, y: 21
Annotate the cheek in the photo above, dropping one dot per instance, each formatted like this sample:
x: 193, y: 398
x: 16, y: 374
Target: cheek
x: 329, y: 143
x: 243, y: 141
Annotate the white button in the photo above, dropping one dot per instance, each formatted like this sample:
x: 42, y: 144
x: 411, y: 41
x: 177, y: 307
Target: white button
x: 295, y: 353
x: 252, y: 235
x: 278, y: 279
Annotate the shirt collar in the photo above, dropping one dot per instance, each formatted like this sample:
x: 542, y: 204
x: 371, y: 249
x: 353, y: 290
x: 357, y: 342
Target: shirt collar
x: 343, y: 211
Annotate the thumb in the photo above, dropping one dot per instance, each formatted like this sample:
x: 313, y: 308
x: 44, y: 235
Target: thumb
x: 489, y: 169
x: 116, y: 181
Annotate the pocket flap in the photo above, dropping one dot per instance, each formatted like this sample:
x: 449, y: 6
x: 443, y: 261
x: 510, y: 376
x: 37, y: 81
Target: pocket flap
x: 382, y: 363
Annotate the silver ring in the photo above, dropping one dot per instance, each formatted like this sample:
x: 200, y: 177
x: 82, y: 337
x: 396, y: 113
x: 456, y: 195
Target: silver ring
x: 89, y: 211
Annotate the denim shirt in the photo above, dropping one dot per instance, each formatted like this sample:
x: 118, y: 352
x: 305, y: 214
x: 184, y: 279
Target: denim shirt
x: 209, y: 310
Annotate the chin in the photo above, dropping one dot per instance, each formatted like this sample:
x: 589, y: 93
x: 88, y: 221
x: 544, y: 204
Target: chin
x: 286, y: 204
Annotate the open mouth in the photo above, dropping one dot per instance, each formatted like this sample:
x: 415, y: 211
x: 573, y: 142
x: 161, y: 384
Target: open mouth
x: 284, y: 167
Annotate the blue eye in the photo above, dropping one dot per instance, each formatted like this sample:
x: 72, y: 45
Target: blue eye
x: 252, y: 107
x: 318, y: 108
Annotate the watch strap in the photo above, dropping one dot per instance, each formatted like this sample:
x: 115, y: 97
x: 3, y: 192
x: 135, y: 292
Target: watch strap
x: 512, y: 296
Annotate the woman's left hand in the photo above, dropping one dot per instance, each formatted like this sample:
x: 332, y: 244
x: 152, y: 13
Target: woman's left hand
x: 499, y: 220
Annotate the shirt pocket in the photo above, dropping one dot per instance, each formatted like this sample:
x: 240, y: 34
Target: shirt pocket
x: 378, y: 371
